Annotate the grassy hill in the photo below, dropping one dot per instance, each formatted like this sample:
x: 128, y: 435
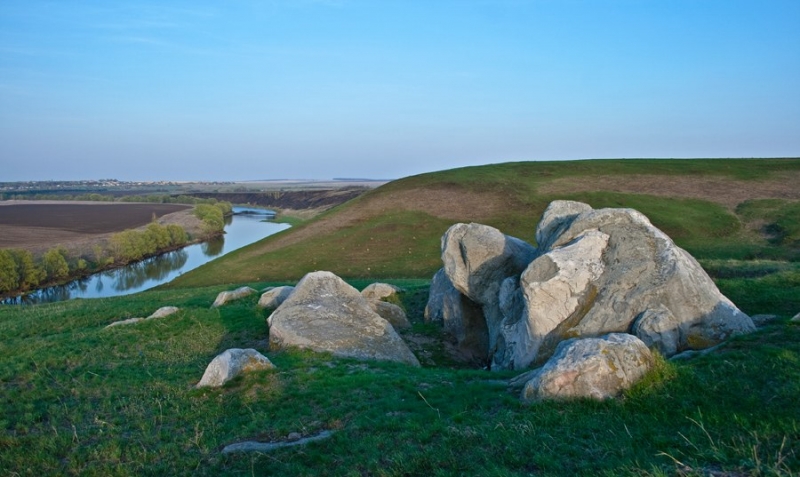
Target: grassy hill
x: 79, y: 399
x: 717, y: 209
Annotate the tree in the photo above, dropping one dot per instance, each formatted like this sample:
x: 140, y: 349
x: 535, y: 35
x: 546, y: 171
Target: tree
x: 9, y: 280
x: 29, y: 273
x: 55, y: 264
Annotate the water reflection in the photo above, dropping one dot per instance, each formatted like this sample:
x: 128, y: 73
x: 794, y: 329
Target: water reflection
x: 241, y: 230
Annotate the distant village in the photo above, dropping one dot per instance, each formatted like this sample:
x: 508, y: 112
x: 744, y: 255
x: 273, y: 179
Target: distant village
x: 96, y: 184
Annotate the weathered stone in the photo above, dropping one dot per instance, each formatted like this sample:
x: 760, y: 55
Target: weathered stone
x: 163, y: 312
x: 597, y: 368
x: 477, y: 259
x: 379, y: 291
x: 556, y: 218
x: 273, y: 297
x: 658, y: 329
x: 254, y: 446
x: 391, y: 313
x: 129, y: 321
x: 461, y: 318
x: 556, y: 289
x: 231, y: 363
x: 228, y: 296
x: 326, y: 314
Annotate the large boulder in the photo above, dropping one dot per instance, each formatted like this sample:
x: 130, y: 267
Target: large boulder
x: 231, y: 363
x: 273, y: 298
x: 596, y: 368
x: 379, y: 291
x: 477, y: 260
x: 326, y: 314
x: 595, y: 272
x: 643, y: 272
x: 460, y: 317
x: 228, y: 296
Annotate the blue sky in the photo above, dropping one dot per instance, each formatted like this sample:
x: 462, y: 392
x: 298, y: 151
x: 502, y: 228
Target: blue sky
x: 245, y: 90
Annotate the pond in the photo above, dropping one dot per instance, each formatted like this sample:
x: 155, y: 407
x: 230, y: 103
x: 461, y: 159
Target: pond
x: 246, y: 226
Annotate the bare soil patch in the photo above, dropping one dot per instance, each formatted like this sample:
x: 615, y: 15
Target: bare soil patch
x: 723, y: 191
x: 38, y: 226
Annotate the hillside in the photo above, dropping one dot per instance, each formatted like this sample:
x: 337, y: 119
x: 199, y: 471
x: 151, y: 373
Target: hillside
x: 718, y: 209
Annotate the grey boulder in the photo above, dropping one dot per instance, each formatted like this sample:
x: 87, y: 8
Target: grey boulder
x: 274, y: 297
x: 596, y: 368
x: 228, y: 296
x: 379, y: 291
x: 231, y: 363
x: 325, y: 314
x: 391, y: 313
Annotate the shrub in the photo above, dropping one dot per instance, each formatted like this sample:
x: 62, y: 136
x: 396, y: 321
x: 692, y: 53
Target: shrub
x: 9, y: 280
x: 55, y: 264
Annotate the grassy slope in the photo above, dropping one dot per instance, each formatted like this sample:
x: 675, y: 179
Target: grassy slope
x: 81, y: 400
x: 394, y: 231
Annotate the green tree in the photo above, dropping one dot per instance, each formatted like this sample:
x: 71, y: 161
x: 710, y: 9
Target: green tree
x: 9, y: 280
x: 55, y: 264
x: 29, y: 273
x: 177, y: 234
x: 212, y: 217
x: 158, y: 235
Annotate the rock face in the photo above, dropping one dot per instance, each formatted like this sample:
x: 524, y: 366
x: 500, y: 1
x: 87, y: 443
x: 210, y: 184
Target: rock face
x: 228, y: 296
x: 595, y: 272
x: 477, y: 260
x: 326, y: 314
x: 275, y: 297
x: 597, y: 368
x: 379, y: 291
x: 231, y: 363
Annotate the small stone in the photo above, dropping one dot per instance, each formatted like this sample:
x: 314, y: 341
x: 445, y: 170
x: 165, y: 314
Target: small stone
x: 796, y: 318
x: 231, y: 363
x: 163, y: 311
x: 228, y: 296
x: 294, y: 436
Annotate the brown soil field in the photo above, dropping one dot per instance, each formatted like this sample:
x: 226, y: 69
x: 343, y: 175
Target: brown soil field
x: 39, y: 225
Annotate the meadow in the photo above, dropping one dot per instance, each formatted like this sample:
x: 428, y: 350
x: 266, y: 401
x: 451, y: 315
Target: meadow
x: 82, y: 400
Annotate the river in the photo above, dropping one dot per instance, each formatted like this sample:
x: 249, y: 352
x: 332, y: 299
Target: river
x: 246, y: 226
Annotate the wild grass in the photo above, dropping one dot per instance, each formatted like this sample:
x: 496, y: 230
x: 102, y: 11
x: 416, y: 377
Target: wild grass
x: 82, y: 400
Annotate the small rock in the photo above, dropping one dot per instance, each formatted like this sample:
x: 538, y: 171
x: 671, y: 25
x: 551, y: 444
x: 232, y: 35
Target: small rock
x: 230, y: 363
x: 163, y: 311
x: 129, y: 321
x: 391, y: 313
x: 796, y: 318
x: 379, y: 291
x: 274, y: 297
x: 227, y: 296
x: 294, y: 436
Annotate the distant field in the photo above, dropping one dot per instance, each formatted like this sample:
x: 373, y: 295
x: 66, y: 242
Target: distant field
x: 37, y: 225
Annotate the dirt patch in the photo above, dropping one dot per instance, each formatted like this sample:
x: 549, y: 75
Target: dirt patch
x: 447, y: 203
x: 723, y: 191
x: 77, y: 226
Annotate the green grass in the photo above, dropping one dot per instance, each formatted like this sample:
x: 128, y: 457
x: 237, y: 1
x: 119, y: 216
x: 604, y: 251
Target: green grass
x: 81, y: 400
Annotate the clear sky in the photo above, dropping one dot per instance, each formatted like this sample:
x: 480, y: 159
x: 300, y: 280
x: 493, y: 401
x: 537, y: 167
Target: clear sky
x: 245, y: 90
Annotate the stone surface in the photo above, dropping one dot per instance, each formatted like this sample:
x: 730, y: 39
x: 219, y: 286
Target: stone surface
x: 129, y: 321
x: 477, y: 259
x: 379, y: 291
x: 254, y: 446
x: 658, y: 329
x: 163, y: 312
x: 597, y: 368
x: 326, y: 314
x: 391, y: 313
x: 231, y: 363
x: 273, y: 298
x: 461, y: 318
x: 796, y: 318
x: 228, y: 296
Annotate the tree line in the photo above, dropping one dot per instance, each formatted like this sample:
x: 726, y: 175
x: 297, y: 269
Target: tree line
x: 21, y: 271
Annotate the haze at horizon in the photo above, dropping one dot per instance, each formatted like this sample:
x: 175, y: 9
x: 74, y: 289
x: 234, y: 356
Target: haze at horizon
x: 324, y: 88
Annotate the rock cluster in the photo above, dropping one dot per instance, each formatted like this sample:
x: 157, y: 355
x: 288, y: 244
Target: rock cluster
x: 595, y: 272
x: 160, y: 313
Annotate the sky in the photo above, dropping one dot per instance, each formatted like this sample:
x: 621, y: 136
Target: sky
x: 317, y: 89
